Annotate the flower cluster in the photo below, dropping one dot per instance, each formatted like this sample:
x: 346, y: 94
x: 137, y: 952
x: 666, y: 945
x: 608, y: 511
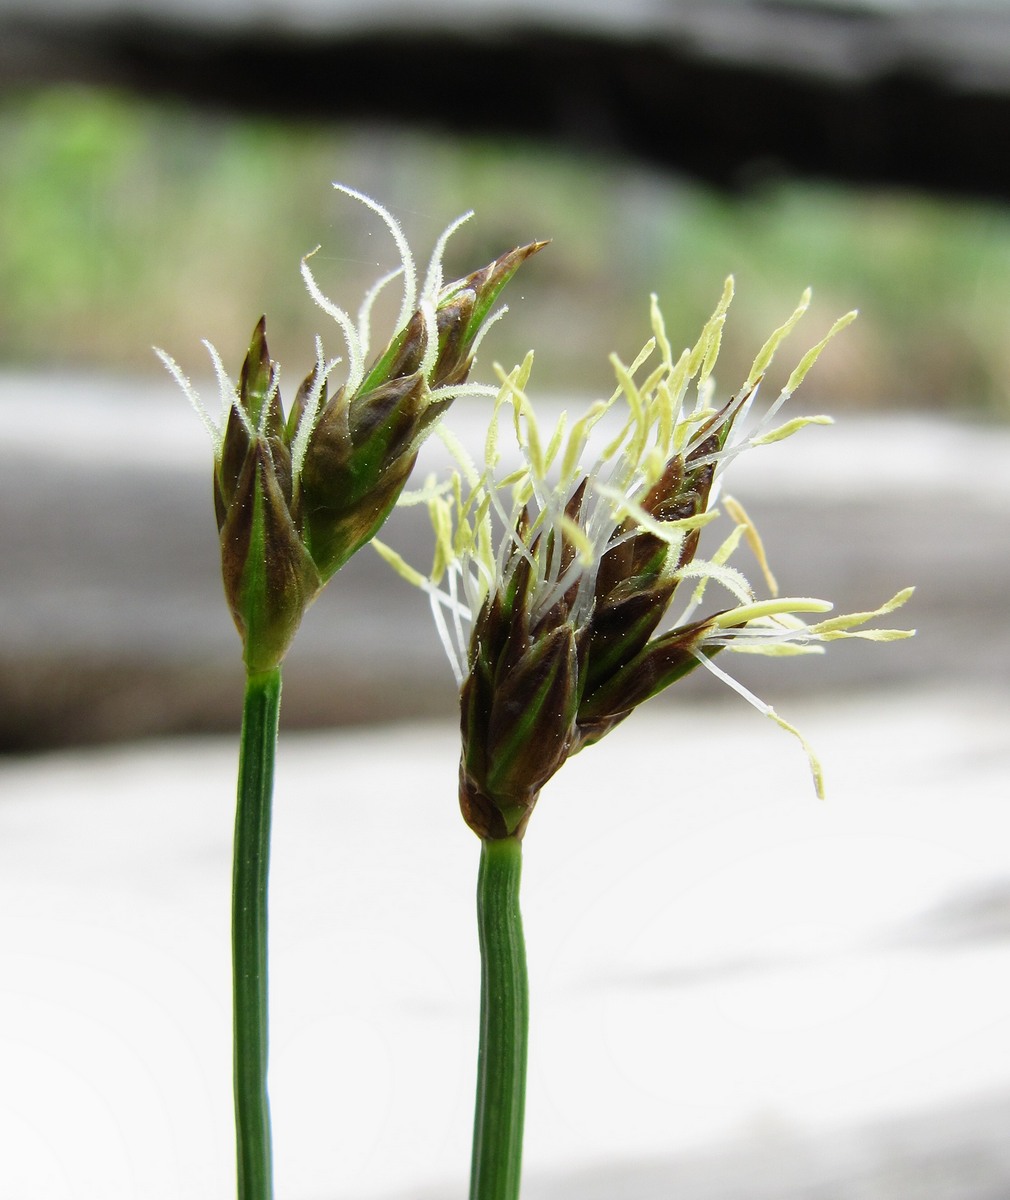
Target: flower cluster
x: 296, y: 495
x: 551, y: 586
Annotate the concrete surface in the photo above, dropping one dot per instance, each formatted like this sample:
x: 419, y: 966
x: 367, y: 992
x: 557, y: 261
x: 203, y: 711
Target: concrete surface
x: 738, y: 992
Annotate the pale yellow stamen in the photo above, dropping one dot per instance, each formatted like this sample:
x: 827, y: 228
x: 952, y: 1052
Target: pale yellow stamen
x: 838, y: 626
x: 659, y: 331
x: 578, y: 438
x: 712, y: 353
x: 736, y: 510
x: 760, y: 609
x: 712, y: 327
x: 575, y: 534
x: 767, y: 351
x: 816, y: 770
x: 789, y: 428
x: 399, y: 564
x: 812, y: 355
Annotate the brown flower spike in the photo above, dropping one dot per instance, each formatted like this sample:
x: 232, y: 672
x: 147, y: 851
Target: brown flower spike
x: 562, y: 628
x: 296, y: 495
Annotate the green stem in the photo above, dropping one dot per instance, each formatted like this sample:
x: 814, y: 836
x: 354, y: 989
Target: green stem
x: 249, y: 934
x: 504, y: 1020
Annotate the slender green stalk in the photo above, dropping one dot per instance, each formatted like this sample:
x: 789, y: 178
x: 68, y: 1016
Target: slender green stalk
x: 504, y: 1021
x: 249, y: 934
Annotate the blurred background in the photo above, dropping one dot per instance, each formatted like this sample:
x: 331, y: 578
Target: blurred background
x: 165, y: 166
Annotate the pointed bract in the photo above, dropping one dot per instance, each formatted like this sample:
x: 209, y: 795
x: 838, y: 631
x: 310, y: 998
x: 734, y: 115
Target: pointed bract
x: 296, y: 496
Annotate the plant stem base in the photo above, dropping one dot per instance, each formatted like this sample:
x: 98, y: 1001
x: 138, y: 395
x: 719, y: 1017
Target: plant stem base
x: 504, y: 1021
x: 249, y: 934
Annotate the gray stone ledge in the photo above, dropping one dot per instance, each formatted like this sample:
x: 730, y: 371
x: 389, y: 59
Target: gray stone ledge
x: 911, y: 94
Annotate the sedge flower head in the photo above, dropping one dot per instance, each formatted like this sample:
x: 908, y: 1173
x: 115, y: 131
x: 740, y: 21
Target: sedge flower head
x: 552, y: 586
x: 297, y: 493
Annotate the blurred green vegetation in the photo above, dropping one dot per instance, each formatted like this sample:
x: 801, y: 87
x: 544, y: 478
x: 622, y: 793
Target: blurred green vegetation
x: 129, y: 222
